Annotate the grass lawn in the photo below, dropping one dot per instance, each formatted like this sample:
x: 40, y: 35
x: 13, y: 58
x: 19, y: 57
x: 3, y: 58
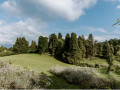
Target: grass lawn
x: 43, y: 63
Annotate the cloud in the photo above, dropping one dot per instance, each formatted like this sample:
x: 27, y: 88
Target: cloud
x: 28, y: 29
x: 93, y: 29
x: 112, y: 0
x: 70, y: 10
x: 118, y: 7
x: 104, y: 38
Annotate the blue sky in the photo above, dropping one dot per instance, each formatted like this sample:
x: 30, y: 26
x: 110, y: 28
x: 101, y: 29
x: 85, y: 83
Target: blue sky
x: 32, y: 18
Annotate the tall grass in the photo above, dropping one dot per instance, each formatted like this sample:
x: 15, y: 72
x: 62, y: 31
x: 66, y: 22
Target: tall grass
x: 85, y: 77
x: 12, y: 77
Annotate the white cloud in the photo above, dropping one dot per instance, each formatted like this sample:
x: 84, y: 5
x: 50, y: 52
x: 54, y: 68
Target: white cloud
x: 67, y: 9
x: 118, y: 7
x: 28, y: 29
x: 112, y: 0
x: 93, y: 29
x: 104, y: 38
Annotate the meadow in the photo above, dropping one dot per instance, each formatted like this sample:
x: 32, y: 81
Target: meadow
x: 44, y: 63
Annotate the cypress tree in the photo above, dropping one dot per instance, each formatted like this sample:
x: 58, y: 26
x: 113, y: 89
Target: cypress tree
x: 106, y: 49
x: 81, y: 46
x: 33, y: 47
x: 52, y: 44
x: 59, y: 36
x: 91, y: 45
x: 75, y: 53
x: 42, y: 44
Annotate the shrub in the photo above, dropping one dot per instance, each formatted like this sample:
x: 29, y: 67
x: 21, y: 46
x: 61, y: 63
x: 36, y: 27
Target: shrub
x: 12, y: 77
x: 85, y: 77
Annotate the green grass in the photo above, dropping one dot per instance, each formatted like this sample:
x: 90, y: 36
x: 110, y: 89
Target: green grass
x: 43, y: 63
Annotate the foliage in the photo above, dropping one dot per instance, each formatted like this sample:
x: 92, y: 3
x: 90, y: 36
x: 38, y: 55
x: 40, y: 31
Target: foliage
x: 85, y: 77
x: 110, y: 61
x: 21, y: 45
x: 74, y: 50
x: 33, y: 47
x: 42, y: 44
x: 14, y: 77
x: 52, y: 44
x: 106, y: 49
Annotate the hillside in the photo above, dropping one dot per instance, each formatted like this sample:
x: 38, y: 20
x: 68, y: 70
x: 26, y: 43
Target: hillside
x: 43, y: 63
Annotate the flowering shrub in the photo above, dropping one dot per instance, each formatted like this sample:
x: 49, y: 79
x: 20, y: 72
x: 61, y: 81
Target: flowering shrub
x: 87, y: 78
x: 12, y: 77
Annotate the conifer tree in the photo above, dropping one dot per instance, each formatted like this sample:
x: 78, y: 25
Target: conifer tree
x: 42, y: 44
x: 66, y: 49
x: 74, y: 49
x: 52, y: 44
x: 81, y: 46
x: 21, y: 45
x: 106, y: 49
x: 91, y: 45
x: 59, y: 36
x: 33, y: 47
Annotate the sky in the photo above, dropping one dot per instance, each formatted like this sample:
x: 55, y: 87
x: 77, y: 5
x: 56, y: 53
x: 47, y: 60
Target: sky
x: 32, y: 18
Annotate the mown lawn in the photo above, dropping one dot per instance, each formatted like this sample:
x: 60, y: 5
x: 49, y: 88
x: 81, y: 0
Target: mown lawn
x: 43, y: 63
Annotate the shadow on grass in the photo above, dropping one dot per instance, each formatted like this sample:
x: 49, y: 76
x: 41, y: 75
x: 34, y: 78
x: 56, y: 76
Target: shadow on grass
x: 59, y: 83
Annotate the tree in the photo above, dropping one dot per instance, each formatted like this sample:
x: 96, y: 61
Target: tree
x: 99, y: 49
x: 59, y: 48
x: 91, y: 45
x: 21, y: 45
x: 33, y: 47
x: 110, y: 59
x: 66, y: 49
x: 81, y: 46
x: 59, y: 36
x: 75, y: 53
x: 52, y: 44
x: 106, y: 49
x: 42, y: 44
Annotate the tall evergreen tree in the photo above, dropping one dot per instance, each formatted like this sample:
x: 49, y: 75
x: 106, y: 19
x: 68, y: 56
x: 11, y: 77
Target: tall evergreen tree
x: 81, y: 46
x: 91, y: 45
x: 66, y: 49
x: 59, y: 36
x: 106, y: 49
x: 21, y: 45
x: 75, y: 53
x: 42, y: 44
x: 52, y: 43
x: 33, y: 47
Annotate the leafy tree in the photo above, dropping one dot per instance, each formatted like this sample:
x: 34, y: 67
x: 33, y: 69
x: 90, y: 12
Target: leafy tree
x: 33, y: 47
x: 52, y: 44
x: 42, y: 44
x: 21, y: 45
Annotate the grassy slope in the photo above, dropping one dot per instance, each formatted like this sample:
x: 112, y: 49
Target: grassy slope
x: 43, y: 63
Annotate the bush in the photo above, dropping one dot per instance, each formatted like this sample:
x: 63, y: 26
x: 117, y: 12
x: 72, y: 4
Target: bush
x: 7, y: 53
x: 85, y: 77
x: 12, y: 77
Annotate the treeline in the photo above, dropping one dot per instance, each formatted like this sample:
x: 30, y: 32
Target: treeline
x: 68, y: 49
